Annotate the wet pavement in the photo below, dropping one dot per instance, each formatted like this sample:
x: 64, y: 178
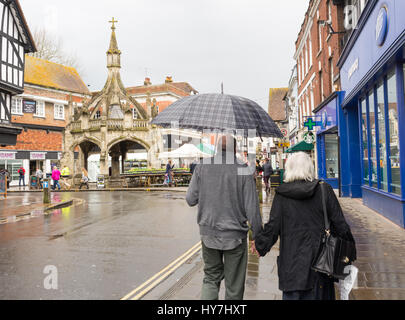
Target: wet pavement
x: 102, y: 249
x: 380, y: 252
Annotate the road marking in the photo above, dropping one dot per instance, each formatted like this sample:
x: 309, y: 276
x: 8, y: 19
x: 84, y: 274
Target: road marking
x: 148, y: 285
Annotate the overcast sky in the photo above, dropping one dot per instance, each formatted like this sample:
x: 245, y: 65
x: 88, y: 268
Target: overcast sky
x: 246, y: 44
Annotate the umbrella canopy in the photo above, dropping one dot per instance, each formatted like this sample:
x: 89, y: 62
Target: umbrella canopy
x: 218, y: 112
x: 185, y: 151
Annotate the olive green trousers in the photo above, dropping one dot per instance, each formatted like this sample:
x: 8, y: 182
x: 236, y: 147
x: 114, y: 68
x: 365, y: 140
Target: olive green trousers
x: 224, y: 264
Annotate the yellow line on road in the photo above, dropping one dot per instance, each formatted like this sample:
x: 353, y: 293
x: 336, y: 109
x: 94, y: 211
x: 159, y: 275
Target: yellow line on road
x: 161, y: 275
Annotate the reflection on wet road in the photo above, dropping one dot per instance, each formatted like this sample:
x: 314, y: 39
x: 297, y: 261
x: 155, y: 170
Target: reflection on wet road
x: 102, y: 249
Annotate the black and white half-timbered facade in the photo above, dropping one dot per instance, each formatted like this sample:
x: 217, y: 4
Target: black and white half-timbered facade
x: 15, y: 41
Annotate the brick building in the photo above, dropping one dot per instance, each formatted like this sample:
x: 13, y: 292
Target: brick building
x: 326, y: 28
x: 278, y: 112
x: 42, y: 112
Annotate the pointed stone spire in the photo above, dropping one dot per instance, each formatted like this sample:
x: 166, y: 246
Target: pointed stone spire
x: 113, y: 53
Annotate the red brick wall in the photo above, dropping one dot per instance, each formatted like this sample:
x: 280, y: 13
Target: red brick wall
x: 320, y: 56
x: 37, y: 140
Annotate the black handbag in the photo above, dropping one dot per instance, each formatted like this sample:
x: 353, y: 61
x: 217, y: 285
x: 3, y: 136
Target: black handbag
x: 334, y: 253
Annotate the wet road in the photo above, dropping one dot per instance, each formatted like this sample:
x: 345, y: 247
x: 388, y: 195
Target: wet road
x: 102, y: 249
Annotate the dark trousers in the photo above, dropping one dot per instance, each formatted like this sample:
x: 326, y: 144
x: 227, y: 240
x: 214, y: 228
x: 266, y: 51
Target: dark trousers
x: 224, y: 264
x: 84, y: 184
x: 324, y: 289
x: 21, y: 179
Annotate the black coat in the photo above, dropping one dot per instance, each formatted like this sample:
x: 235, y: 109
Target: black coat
x: 297, y: 217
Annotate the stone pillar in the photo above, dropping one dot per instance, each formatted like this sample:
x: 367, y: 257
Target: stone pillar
x: 115, y: 166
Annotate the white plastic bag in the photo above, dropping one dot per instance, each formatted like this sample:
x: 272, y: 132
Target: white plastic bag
x: 346, y: 285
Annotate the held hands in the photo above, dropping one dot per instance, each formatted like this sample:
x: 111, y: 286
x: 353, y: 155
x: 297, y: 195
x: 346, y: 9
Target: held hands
x: 253, y: 249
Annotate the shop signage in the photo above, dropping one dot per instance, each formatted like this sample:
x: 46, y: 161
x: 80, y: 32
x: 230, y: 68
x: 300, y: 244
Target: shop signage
x: 37, y: 155
x: 381, y: 28
x: 5, y: 155
x: 29, y: 106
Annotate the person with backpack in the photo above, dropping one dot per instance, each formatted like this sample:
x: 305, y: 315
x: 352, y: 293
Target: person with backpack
x: 21, y: 172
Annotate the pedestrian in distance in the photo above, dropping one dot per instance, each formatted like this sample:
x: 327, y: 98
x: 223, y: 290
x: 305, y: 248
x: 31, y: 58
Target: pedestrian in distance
x: 85, y: 179
x: 169, y: 173
x: 56, y: 177
x: 297, y: 218
x: 65, y: 174
x: 225, y: 192
x: 21, y: 172
x: 267, y: 172
x: 39, y: 174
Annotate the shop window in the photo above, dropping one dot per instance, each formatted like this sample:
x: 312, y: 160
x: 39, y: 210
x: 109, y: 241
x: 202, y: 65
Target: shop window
x: 331, y: 156
x: 382, y: 142
x: 393, y: 133
x: 366, y: 177
x: 373, y: 143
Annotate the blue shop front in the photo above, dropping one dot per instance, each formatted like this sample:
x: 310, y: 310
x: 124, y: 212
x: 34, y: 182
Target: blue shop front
x: 372, y: 143
x: 327, y: 139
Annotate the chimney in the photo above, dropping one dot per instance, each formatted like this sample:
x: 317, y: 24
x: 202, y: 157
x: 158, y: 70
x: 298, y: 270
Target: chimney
x: 169, y: 79
x: 147, y: 82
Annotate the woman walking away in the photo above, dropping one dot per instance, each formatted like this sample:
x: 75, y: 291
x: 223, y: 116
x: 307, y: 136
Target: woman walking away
x: 55, y: 178
x: 297, y: 218
x: 85, y: 179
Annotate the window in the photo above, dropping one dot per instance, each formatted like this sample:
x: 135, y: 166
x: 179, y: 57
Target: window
x: 320, y: 37
x: 310, y: 50
x: 329, y: 12
x: 331, y: 156
x: 40, y: 110
x: 97, y: 115
x: 331, y: 75
x: 382, y: 143
x: 373, y: 144
x: 134, y: 114
x: 16, y: 106
x: 395, y: 182
x: 312, y: 105
x: 59, y: 112
x: 366, y: 177
x: 321, y: 82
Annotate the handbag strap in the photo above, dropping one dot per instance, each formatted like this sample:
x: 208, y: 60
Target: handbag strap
x: 325, y: 212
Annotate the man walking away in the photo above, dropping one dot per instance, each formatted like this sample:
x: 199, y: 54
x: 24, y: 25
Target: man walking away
x: 227, y: 200
x: 21, y: 171
x: 267, y: 172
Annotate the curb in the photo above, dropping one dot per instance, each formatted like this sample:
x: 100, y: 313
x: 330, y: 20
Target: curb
x: 45, y: 210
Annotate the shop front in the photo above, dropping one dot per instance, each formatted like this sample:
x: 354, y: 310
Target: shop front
x: 372, y: 75
x: 30, y: 161
x: 327, y: 140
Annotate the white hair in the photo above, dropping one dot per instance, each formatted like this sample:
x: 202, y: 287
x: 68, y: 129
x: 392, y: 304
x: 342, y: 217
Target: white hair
x: 299, y: 166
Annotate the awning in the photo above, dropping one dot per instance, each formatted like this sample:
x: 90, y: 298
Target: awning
x: 301, y: 146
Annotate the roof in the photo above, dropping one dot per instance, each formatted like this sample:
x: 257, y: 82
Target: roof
x: 17, y: 12
x: 301, y: 146
x: 53, y: 75
x: 179, y: 88
x: 277, y: 104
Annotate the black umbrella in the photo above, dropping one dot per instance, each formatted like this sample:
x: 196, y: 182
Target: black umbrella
x: 218, y: 112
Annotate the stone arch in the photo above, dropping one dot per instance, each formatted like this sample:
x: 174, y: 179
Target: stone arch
x: 129, y: 138
x: 85, y: 139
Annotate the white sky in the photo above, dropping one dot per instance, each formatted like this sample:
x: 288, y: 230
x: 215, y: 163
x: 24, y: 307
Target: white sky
x: 247, y: 44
